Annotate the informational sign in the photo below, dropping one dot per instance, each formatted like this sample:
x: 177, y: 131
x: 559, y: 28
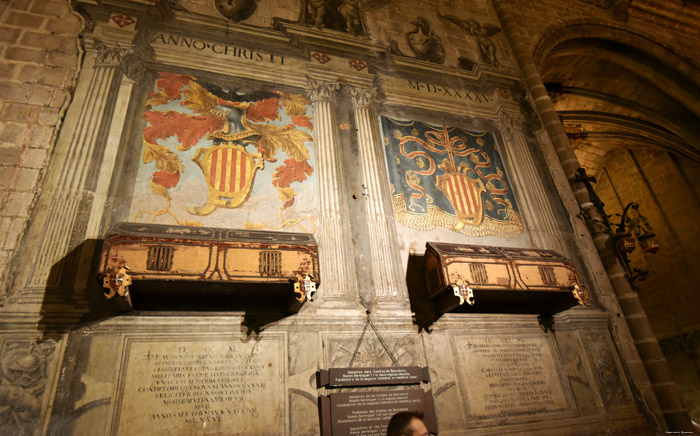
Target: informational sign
x: 400, y: 375
x: 365, y: 412
x: 368, y: 413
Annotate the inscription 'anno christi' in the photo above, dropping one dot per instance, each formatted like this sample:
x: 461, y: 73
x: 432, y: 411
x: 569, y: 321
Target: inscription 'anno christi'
x: 219, y: 49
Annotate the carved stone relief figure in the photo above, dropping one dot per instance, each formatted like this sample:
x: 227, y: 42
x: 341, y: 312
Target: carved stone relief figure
x: 482, y: 34
x: 350, y: 10
x: 236, y: 10
x: 317, y: 10
x: 342, y: 15
x: 23, y: 368
x: 425, y: 45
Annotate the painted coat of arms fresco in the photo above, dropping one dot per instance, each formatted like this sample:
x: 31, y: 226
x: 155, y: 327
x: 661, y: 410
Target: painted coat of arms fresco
x: 210, y: 153
x: 449, y: 177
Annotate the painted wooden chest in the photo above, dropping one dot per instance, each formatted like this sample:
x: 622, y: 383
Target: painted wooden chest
x: 495, y: 279
x: 158, y: 264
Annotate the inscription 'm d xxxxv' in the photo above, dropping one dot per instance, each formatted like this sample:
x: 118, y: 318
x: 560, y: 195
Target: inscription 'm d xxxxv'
x: 448, y: 91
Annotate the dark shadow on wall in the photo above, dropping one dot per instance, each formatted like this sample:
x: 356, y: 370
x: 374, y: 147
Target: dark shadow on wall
x: 74, y: 295
x: 424, y: 310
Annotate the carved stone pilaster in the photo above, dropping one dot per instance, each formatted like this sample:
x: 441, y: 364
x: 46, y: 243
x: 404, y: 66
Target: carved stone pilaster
x: 387, y: 272
x: 537, y: 211
x: 70, y: 182
x: 336, y: 255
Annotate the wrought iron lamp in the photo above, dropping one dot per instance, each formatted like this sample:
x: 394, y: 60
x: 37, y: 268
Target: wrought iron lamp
x: 632, y: 228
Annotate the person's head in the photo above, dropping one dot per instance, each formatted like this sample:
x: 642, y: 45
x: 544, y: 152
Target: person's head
x: 407, y: 424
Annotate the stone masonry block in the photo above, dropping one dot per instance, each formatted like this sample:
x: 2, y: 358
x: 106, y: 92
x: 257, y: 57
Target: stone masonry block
x: 41, y: 40
x: 10, y: 154
x: 26, y: 180
x: 41, y: 95
x: 4, y: 256
x: 14, y: 133
x: 34, y: 158
x: 7, y: 70
x: 48, y: 116
x: 25, y: 20
x: 67, y: 24
x: 22, y: 5
x: 9, y: 34
x: 59, y: 59
x: 59, y: 98
x: 40, y: 137
x: 25, y: 55
x: 13, y: 91
x: 20, y: 112
x: 18, y: 204
x: 31, y: 73
x: 4, y: 225
x: 14, y: 232
x: 54, y: 76
x: 7, y: 176
x: 52, y: 8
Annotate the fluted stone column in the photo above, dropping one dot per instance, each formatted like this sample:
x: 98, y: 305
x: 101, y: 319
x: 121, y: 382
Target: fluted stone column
x: 338, y: 280
x: 81, y: 169
x: 387, y: 271
x: 665, y: 390
x: 537, y: 211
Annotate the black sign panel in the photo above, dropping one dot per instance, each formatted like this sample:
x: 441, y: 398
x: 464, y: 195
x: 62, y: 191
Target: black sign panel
x: 368, y: 413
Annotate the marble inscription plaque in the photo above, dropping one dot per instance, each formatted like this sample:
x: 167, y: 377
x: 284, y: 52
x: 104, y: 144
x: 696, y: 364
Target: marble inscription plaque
x: 509, y: 375
x: 201, y: 387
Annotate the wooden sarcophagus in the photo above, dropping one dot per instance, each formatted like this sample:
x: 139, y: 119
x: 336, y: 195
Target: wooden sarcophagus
x: 192, y: 268
x: 505, y: 280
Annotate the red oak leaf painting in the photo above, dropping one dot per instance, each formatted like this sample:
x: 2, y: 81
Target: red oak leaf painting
x: 292, y: 171
x: 171, y: 83
x: 165, y: 179
x: 188, y: 129
x: 260, y: 111
x: 303, y: 121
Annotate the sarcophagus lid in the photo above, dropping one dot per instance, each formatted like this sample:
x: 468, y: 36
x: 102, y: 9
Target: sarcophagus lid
x: 159, y: 265
x: 497, y: 279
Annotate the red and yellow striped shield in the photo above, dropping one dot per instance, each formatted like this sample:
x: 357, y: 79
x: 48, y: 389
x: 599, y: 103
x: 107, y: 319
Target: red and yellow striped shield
x: 464, y: 194
x: 229, y: 171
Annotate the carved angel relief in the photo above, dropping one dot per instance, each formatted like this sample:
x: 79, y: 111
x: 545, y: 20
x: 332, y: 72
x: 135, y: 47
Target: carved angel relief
x: 482, y: 34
